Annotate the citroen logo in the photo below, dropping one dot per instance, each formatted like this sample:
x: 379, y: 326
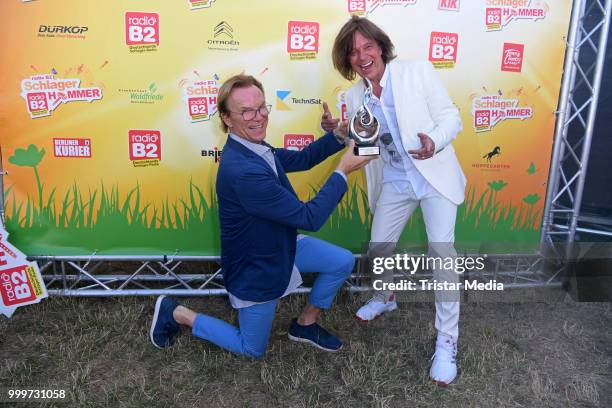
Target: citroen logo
x: 224, y: 28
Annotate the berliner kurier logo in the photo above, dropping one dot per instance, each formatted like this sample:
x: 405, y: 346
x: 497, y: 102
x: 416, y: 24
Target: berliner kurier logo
x: 72, y: 147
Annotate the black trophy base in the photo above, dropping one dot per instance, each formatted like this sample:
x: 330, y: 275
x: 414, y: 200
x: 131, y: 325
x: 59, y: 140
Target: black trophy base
x: 366, y: 150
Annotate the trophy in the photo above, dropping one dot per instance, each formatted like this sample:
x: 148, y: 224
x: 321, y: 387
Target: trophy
x: 364, y: 127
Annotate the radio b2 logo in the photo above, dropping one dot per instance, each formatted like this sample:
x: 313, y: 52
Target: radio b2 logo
x: 198, y: 108
x: 297, y: 142
x: 141, y: 31
x: 145, y: 147
x: 302, y: 40
x: 357, y: 7
x: 443, y: 49
x: 493, y: 18
x: 482, y: 120
x: 37, y: 104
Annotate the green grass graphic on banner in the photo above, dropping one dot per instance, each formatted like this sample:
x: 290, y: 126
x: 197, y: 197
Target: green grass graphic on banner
x: 101, y: 221
x: 105, y: 221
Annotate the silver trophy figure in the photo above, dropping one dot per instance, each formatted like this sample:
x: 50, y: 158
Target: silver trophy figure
x: 364, y: 127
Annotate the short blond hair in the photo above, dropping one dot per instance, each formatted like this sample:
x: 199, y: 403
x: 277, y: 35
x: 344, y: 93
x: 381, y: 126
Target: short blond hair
x: 237, y: 81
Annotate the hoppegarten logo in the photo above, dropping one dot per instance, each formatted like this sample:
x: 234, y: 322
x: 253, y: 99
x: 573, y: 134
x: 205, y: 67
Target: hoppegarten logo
x: 512, y: 57
x: 214, y: 153
x: 144, y: 147
x: 498, y: 13
x: 443, y: 49
x: 448, y: 5
x: 298, y: 142
x: 198, y: 4
x: 489, y: 110
x: 68, y: 147
x: 302, y: 40
x: 62, y: 31
x: 44, y: 93
x: 201, y: 99
x: 490, y: 161
x: 141, y: 31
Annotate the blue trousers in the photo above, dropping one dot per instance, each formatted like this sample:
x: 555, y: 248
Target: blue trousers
x: 333, y: 264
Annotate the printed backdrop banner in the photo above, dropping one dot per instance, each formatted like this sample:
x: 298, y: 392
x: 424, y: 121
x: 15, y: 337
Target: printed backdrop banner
x: 111, y: 137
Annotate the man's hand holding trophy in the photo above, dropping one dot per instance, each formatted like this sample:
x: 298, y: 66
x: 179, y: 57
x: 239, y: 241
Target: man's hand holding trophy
x: 363, y: 127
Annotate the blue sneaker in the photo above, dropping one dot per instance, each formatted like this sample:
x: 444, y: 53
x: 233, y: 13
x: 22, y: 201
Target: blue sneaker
x: 315, y: 335
x: 164, y: 328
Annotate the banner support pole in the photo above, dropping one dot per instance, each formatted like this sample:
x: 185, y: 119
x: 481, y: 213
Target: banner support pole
x: 2, y: 174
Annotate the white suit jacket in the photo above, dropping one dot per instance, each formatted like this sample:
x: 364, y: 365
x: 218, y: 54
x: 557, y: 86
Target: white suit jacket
x: 422, y: 105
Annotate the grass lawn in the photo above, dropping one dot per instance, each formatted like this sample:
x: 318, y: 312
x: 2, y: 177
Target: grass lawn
x: 521, y: 354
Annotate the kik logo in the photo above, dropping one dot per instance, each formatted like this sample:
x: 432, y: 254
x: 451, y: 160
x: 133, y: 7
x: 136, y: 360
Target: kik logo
x: 280, y: 100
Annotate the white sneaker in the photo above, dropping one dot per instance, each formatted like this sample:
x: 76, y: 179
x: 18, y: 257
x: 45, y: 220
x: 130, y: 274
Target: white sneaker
x: 376, y: 307
x: 444, y: 367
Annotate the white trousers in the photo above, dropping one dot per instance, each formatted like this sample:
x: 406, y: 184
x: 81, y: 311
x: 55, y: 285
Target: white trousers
x: 393, y: 210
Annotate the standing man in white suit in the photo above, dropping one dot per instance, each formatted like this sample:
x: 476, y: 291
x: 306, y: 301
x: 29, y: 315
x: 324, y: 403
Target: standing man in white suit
x: 417, y: 166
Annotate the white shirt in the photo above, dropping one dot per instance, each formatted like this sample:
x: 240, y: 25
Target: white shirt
x: 398, y: 168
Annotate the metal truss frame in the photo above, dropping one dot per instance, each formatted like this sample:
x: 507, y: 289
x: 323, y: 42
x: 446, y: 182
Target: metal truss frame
x: 584, y: 64
x: 78, y: 276
x: 188, y: 276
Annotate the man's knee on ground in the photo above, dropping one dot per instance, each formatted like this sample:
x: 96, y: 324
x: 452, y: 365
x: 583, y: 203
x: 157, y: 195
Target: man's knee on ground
x: 346, y: 262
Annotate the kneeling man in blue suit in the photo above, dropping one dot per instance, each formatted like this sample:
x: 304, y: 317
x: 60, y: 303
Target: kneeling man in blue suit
x: 262, y: 254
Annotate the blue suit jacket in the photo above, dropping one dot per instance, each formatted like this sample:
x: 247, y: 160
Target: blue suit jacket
x: 260, y: 213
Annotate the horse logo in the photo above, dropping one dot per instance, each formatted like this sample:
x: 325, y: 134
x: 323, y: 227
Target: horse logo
x: 495, y: 152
